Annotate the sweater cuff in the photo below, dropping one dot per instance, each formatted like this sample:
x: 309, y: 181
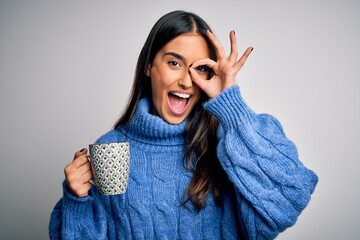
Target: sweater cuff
x: 230, y: 109
x: 73, y: 203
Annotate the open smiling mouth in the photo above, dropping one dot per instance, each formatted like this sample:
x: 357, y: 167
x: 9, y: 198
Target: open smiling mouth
x: 178, y: 102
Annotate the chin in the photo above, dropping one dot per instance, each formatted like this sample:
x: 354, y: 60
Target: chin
x: 174, y: 120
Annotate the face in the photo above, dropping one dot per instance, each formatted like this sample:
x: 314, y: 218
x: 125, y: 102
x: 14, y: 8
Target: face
x: 173, y: 92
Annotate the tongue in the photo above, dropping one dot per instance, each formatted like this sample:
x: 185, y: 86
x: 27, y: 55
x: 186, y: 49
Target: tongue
x: 176, y: 103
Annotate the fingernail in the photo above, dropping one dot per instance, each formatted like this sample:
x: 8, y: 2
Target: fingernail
x: 252, y: 49
x: 82, y: 150
x: 233, y: 32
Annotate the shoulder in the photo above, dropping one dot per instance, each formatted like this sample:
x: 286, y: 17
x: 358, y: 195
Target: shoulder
x: 115, y: 135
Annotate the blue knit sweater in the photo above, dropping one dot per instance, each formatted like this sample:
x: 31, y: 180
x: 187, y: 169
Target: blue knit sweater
x: 267, y: 190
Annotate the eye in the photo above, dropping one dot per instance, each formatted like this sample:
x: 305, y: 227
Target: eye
x: 202, y: 69
x: 174, y: 63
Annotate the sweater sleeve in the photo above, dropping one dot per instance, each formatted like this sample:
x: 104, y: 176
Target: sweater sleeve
x: 83, y: 218
x: 272, y: 186
x: 78, y: 218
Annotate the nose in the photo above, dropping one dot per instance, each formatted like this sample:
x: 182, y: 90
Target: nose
x: 185, y: 81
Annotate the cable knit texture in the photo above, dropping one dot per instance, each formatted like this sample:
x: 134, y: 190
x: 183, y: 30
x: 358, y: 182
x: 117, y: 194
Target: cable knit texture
x: 268, y: 186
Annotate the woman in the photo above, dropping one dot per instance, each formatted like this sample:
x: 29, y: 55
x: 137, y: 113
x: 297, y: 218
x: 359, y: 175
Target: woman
x: 203, y: 164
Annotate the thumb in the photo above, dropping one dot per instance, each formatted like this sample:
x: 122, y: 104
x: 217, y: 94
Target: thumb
x: 79, y: 153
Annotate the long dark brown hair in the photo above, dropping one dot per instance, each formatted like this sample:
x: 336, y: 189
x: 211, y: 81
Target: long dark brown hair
x: 200, y: 133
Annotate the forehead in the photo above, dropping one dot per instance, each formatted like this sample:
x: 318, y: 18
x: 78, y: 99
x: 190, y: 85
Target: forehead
x: 188, y: 45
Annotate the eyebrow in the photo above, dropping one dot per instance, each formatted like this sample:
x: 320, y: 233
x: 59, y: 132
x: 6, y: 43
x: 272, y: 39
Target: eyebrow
x: 174, y: 54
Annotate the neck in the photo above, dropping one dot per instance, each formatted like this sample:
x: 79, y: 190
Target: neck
x: 149, y: 128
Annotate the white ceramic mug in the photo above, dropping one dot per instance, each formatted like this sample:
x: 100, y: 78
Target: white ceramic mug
x: 110, y: 163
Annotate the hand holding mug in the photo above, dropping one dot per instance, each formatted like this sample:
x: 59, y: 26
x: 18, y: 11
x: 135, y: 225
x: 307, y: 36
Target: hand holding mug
x: 78, y: 174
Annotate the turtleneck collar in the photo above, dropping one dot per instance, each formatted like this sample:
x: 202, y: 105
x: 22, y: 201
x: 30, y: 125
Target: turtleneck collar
x: 147, y: 128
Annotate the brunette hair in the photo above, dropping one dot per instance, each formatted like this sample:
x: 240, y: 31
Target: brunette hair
x: 200, y: 133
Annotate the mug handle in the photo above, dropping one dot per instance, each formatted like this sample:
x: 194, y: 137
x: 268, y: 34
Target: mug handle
x: 91, y: 180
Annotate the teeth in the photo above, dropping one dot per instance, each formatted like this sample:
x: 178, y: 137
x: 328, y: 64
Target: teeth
x: 182, y: 95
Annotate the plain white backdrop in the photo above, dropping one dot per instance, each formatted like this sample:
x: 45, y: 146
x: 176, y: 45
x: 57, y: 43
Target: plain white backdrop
x: 66, y: 68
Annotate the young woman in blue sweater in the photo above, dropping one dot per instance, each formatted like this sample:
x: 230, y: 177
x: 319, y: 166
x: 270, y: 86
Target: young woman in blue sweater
x: 203, y: 164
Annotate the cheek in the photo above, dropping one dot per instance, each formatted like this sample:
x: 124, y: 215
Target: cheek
x: 198, y: 92
x: 159, y: 88
x: 162, y: 80
x: 159, y: 78
x: 156, y: 94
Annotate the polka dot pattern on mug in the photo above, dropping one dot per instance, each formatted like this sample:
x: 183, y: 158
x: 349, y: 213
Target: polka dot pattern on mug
x: 110, y: 163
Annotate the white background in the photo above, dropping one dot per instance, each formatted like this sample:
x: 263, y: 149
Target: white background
x: 66, y: 68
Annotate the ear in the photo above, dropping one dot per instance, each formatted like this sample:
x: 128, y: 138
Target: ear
x: 148, y: 70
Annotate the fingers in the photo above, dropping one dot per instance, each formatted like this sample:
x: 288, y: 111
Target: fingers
x: 243, y: 58
x: 80, y: 190
x: 201, y: 81
x: 220, y: 52
x: 233, y: 50
x: 77, y: 175
x: 78, y: 166
x: 72, y: 171
x: 204, y: 62
x: 81, y: 160
x: 79, y: 153
x: 211, y: 87
x: 219, y: 49
x: 86, y: 176
x: 197, y: 79
x: 225, y: 68
x: 84, y: 169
